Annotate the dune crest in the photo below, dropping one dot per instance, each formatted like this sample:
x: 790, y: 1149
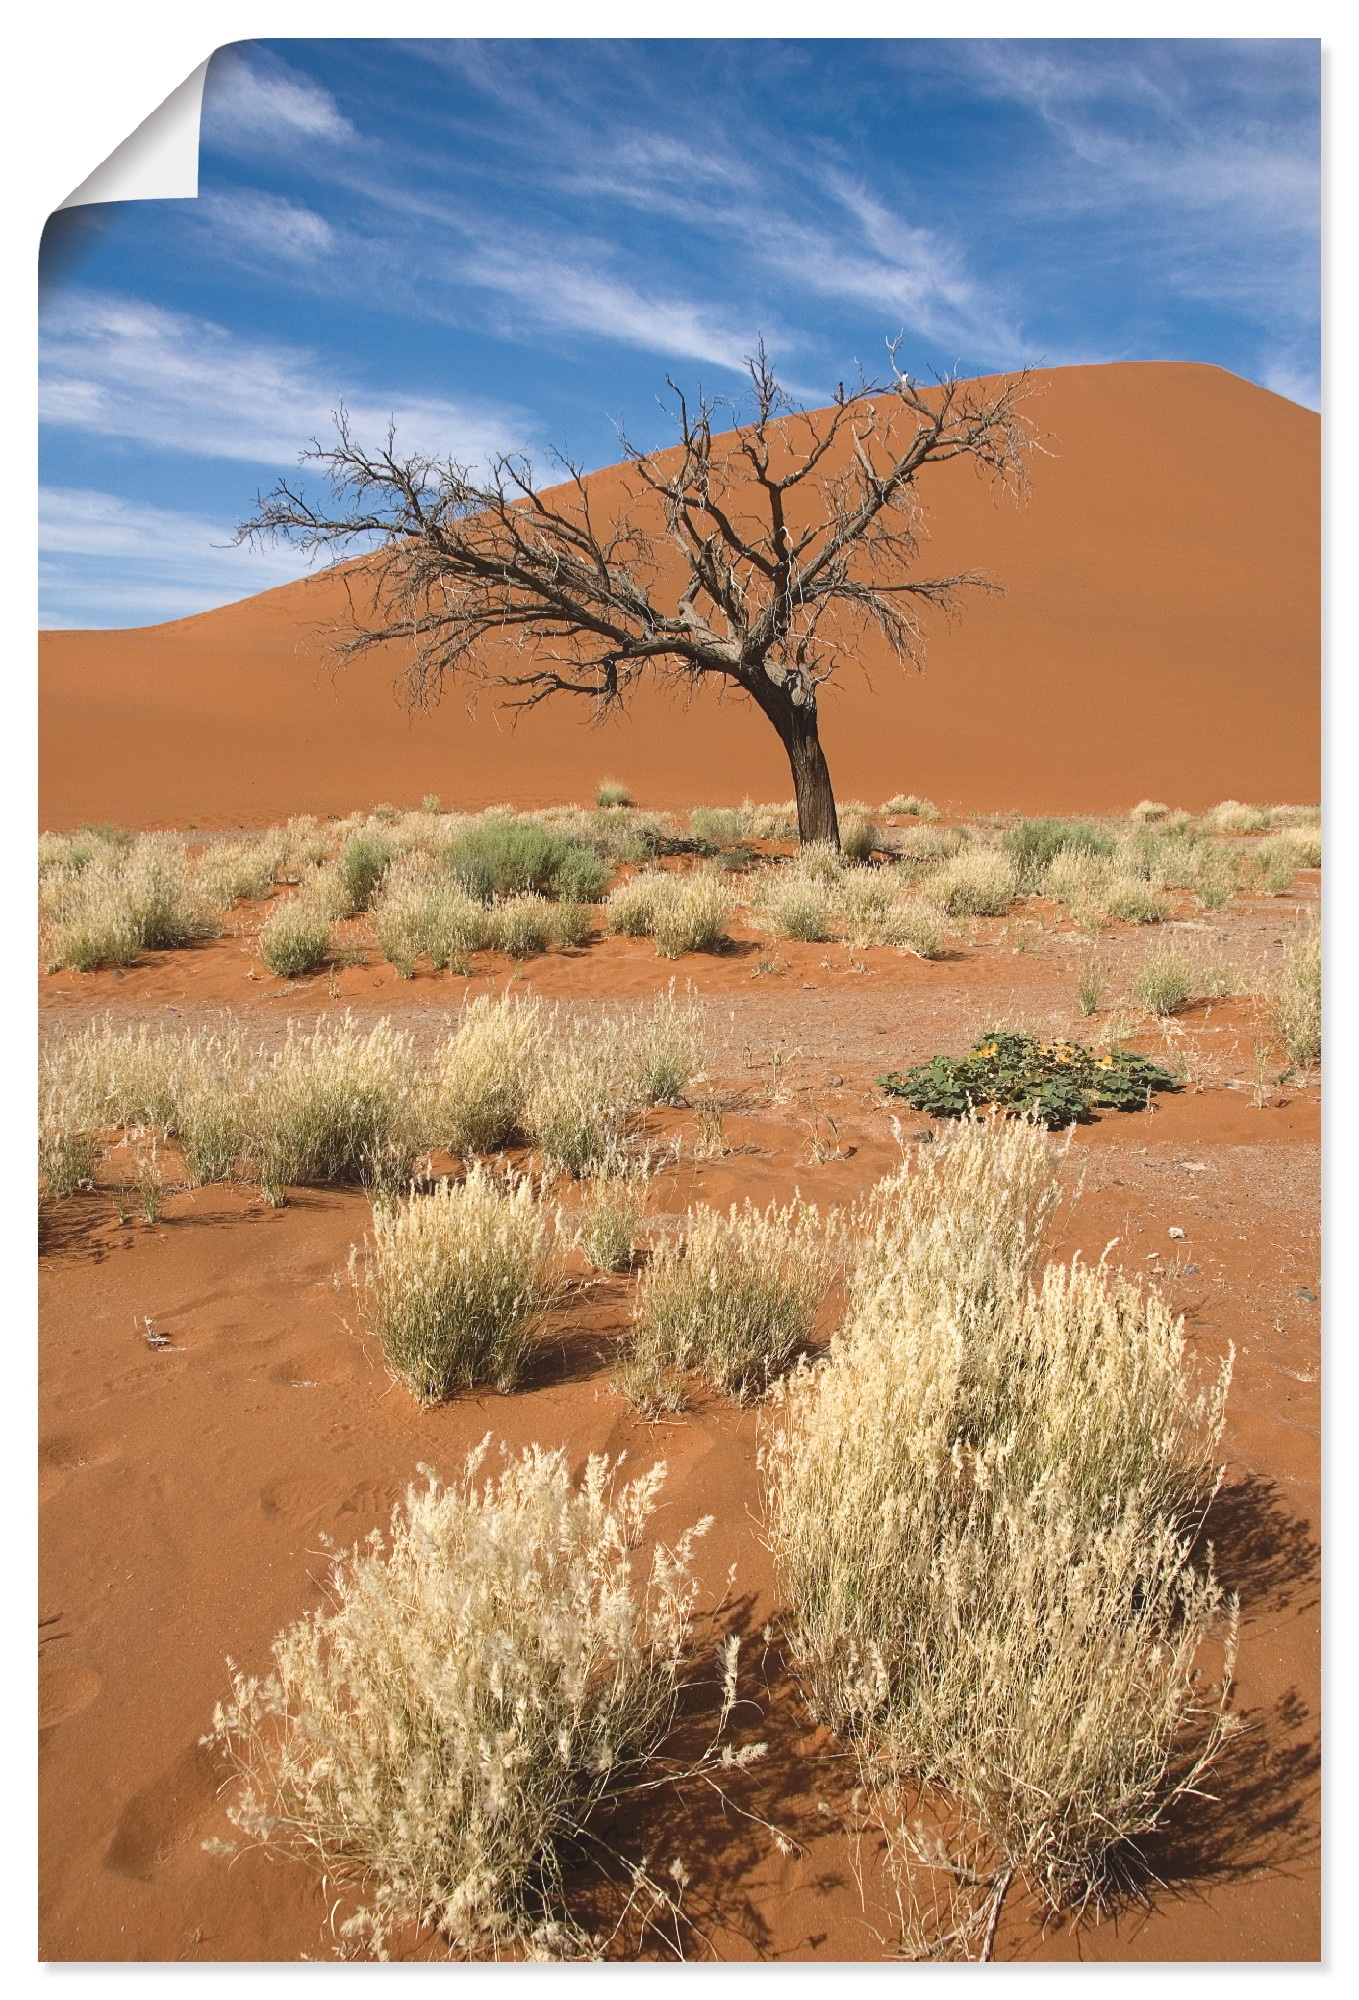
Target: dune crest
x: 1159, y: 636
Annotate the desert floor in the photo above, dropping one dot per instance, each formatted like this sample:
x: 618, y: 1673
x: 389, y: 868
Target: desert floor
x: 186, y: 1488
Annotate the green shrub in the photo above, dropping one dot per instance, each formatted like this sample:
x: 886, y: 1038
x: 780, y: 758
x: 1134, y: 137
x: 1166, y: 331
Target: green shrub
x: 910, y: 807
x: 581, y: 876
x: 505, y: 857
x: 360, y: 867
x: 1147, y: 811
x: 612, y: 795
x: 1059, y: 1082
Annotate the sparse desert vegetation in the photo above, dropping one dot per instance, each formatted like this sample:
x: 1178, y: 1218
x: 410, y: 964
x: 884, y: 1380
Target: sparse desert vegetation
x: 594, y: 1151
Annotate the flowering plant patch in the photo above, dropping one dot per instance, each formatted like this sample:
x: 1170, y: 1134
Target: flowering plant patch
x: 1063, y: 1082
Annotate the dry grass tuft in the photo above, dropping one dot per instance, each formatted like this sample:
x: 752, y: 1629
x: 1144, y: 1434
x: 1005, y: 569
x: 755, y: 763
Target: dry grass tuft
x: 979, y: 882
x: 119, y: 901
x: 983, y: 1504
x: 457, y: 1282
x: 610, y: 1216
x: 489, y: 1070
x: 232, y: 871
x: 297, y: 936
x: 694, y: 915
x: 1232, y: 817
x: 477, y: 1693
x: 735, y: 1301
x: 1293, y: 996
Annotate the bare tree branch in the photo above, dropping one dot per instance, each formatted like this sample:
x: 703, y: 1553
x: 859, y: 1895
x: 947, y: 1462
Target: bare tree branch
x: 760, y: 556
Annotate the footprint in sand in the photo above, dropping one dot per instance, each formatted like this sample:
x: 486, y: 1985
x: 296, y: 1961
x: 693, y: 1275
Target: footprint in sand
x: 157, y: 1819
x: 287, y: 1497
x: 312, y: 1368
x: 68, y: 1452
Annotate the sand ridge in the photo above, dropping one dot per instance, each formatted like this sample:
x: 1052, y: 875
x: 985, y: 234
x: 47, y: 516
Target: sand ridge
x: 1159, y: 636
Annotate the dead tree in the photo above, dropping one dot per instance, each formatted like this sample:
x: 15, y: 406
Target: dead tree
x: 758, y: 557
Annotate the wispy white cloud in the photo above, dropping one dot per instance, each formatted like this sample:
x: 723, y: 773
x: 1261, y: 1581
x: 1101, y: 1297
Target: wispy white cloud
x: 117, y: 367
x: 266, y: 226
x: 111, y: 561
x: 254, y: 98
x: 582, y: 297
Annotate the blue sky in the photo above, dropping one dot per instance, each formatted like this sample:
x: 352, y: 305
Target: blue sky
x: 510, y: 245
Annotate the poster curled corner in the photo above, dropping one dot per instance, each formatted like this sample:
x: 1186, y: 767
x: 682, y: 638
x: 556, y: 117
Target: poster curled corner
x: 157, y: 162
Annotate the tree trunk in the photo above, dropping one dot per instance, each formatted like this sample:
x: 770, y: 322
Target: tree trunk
x: 796, y: 723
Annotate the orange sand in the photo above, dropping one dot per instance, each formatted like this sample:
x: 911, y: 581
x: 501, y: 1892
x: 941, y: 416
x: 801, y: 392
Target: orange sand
x: 1159, y: 636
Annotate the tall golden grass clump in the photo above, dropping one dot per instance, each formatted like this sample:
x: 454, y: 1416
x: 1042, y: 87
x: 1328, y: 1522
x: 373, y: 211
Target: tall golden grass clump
x: 336, y: 1105
x: 489, y: 1070
x: 681, y: 912
x: 662, y: 1047
x: 735, y: 1301
x: 1277, y: 859
x: 422, y: 911
x: 297, y: 936
x: 859, y: 836
x: 583, y: 1100
x: 479, y: 1693
x: 911, y: 807
x: 978, y: 882
x: 121, y: 901
x: 631, y: 908
x: 1293, y: 996
x: 1232, y: 817
x: 693, y: 915
x: 457, y: 1282
x: 873, y: 910
x: 793, y: 905
x: 983, y: 1504
x: 232, y: 871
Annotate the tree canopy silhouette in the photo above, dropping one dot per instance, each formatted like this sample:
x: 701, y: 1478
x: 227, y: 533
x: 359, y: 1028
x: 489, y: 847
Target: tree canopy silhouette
x: 759, y: 556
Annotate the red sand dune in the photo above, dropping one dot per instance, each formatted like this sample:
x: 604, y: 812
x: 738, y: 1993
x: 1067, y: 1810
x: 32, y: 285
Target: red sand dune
x: 1159, y: 636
